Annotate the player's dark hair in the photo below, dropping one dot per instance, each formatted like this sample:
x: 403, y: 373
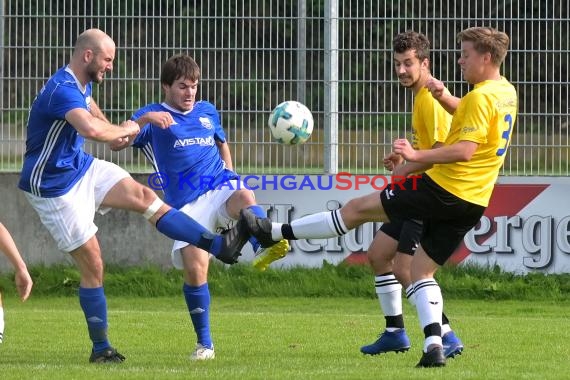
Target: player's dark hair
x: 487, y: 40
x: 179, y: 66
x: 410, y: 40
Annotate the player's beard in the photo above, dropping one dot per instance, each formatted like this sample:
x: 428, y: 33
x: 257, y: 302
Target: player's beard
x: 412, y: 84
x: 93, y: 73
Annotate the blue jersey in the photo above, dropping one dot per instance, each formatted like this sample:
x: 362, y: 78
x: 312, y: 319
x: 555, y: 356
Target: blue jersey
x: 55, y: 160
x: 185, y: 154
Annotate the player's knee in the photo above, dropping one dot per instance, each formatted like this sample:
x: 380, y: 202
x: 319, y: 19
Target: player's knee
x: 357, y: 211
x: 380, y: 263
x: 136, y: 197
x: 244, y: 197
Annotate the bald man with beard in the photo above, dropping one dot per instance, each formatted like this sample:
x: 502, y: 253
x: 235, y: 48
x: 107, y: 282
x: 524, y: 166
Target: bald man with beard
x: 66, y: 185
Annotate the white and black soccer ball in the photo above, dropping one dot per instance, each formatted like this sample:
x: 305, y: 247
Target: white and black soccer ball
x: 291, y: 123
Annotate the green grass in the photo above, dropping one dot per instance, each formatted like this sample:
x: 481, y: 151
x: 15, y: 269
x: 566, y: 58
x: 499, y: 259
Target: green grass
x: 280, y: 338
x: 242, y: 280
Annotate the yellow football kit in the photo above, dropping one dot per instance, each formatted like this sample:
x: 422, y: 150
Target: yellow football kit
x: 430, y: 121
x: 486, y: 115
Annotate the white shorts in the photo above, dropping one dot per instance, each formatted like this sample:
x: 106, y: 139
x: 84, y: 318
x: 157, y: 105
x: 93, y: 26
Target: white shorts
x: 210, y: 211
x: 69, y: 218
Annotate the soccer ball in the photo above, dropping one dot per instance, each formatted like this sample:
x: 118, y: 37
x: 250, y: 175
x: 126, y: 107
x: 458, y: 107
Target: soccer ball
x: 291, y: 123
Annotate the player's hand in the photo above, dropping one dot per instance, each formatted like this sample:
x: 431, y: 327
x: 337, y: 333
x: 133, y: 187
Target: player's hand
x: 161, y: 119
x: 23, y: 284
x: 392, y: 160
x: 131, y: 128
x: 405, y: 149
x: 435, y: 87
x: 401, y: 171
x: 122, y: 141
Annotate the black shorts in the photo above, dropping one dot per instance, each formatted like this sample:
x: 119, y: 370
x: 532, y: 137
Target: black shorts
x: 407, y: 233
x: 446, y: 218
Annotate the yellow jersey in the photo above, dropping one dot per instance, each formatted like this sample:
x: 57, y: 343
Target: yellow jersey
x: 430, y: 121
x: 486, y: 115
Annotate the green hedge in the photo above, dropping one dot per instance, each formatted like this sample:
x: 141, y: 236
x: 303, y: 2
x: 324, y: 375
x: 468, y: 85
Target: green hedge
x: 242, y: 280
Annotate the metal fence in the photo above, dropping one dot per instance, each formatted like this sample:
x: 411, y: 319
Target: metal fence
x: 333, y: 56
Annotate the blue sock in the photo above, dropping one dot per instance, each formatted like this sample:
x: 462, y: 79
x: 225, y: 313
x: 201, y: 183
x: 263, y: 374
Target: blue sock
x: 179, y: 226
x: 198, y: 302
x: 257, y: 210
x: 94, y: 305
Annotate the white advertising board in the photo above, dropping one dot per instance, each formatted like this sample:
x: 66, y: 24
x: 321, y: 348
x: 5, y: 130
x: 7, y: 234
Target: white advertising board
x: 526, y: 227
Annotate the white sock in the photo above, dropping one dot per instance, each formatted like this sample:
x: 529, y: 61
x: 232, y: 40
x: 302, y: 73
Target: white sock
x: 429, y: 304
x: 445, y: 329
x: 389, y: 292
x: 315, y: 226
x: 276, y: 234
x: 410, y: 295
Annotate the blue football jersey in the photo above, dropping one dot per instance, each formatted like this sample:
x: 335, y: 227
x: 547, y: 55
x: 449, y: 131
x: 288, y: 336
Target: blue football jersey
x: 55, y: 160
x: 185, y: 154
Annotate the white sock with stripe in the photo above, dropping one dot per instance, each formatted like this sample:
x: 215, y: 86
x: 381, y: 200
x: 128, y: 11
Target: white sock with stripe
x: 316, y: 226
x: 410, y: 295
x: 429, y: 304
x: 389, y: 292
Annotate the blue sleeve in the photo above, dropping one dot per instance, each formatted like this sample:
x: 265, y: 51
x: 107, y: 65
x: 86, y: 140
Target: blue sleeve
x: 145, y: 134
x: 64, y: 98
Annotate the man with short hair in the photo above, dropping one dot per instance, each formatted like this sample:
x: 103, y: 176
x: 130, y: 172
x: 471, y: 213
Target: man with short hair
x: 393, y: 247
x: 66, y: 185
x: 184, y: 139
x: 450, y: 197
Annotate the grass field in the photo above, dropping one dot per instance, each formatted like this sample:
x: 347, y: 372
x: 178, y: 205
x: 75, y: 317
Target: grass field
x: 281, y: 338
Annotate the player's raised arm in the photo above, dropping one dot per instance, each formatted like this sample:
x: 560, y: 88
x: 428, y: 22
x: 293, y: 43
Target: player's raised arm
x: 440, y: 93
x: 93, y: 128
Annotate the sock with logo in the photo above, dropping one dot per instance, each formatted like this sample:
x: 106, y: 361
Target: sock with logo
x: 94, y: 305
x: 429, y: 304
x: 258, y: 211
x: 316, y: 226
x: 198, y: 302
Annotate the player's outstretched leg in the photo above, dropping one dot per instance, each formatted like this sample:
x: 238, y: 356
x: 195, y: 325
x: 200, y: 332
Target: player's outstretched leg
x: 258, y: 227
x: 264, y: 256
x: 233, y: 240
